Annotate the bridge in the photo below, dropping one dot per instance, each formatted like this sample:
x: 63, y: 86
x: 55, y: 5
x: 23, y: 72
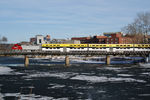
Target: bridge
x: 145, y: 54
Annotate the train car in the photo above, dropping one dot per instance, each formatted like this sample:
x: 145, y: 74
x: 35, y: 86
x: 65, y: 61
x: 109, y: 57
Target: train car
x: 83, y: 47
x: 31, y: 48
x: 64, y: 47
x: 95, y: 47
x: 142, y: 47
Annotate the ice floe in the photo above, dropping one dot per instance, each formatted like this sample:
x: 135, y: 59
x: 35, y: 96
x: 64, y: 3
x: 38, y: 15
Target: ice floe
x: 18, y: 96
x: 96, y: 79
x: 63, y: 75
x: 5, y: 70
x: 56, y: 86
x: 146, y: 73
x: 125, y: 75
x: 144, y: 95
x: 146, y: 65
x: 116, y: 69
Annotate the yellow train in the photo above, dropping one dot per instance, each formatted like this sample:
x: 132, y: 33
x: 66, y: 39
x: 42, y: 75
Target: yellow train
x: 95, y: 47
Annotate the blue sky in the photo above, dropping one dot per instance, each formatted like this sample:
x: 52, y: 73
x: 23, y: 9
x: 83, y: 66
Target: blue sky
x: 22, y: 19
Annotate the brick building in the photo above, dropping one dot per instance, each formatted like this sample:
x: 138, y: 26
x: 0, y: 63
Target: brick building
x: 107, y: 38
x: 82, y: 39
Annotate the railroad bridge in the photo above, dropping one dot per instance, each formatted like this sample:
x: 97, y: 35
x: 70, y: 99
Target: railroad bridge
x: 145, y: 54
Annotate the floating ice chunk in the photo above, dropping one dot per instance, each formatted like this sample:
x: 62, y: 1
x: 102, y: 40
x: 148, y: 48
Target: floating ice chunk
x: 61, y: 99
x: 146, y: 73
x: 96, y: 79
x: 5, y: 70
x: 90, y: 78
x: 146, y: 65
x: 57, y: 86
x: 31, y: 97
x: 63, y: 75
x: 144, y: 94
x: 114, y: 69
x: 125, y: 75
x: 1, y: 97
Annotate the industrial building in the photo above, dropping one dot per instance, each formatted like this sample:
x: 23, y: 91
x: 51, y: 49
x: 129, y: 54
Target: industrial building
x: 107, y: 38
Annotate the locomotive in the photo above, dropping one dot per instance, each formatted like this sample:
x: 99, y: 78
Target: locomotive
x: 28, y: 48
x: 83, y: 47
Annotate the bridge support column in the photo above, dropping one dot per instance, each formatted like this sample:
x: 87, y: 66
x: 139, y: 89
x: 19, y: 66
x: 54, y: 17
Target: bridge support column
x: 107, y: 59
x: 67, y: 62
x: 26, y: 61
x: 146, y: 59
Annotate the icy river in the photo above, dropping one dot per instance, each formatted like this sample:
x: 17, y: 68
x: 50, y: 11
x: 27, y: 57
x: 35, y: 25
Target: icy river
x: 84, y: 81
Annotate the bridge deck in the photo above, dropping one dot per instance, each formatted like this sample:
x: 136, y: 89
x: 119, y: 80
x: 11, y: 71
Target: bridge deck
x: 9, y: 53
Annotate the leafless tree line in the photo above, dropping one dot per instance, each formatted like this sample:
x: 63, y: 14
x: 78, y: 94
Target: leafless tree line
x: 139, y: 28
x: 3, y: 39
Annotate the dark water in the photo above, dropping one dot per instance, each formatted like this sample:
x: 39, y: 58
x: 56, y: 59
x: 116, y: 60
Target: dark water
x: 77, y: 82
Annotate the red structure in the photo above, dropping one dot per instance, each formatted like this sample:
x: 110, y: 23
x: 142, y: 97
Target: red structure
x: 16, y: 47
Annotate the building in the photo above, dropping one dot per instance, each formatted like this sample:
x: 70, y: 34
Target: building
x: 40, y: 39
x: 63, y: 41
x: 82, y: 39
x: 24, y: 43
x: 47, y: 38
x: 32, y: 40
x: 107, y: 38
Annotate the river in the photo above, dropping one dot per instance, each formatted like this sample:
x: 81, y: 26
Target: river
x: 51, y: 80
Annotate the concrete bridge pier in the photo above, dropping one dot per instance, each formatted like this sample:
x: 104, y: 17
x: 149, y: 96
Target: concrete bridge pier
x: 147, y: 58
x: 26, y: 61
x: 67, y: 62
x: 108, y: 59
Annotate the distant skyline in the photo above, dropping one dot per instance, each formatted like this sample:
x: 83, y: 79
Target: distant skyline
x: 22, y: 19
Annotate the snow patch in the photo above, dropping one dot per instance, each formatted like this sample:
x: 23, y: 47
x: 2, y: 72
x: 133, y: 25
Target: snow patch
x: 144, y: 94
x: 114, y: 69
x: 146, y: 65
x: 63, y: 75
x: 5, y: 70
x: 96, y: 79
x: 146, y: 73
x: 124, y: 75
x: 19, y: 96
x: 56, y: 86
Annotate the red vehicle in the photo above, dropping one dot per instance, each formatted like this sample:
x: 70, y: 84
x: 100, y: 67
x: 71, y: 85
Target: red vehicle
x: 16, y: 47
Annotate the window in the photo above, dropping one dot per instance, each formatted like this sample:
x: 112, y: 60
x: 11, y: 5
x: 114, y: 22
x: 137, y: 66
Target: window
x: 40, y: 41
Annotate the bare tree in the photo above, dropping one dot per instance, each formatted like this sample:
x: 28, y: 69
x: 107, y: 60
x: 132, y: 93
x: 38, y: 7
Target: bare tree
x: 140, y: 26
x: 3, y: 39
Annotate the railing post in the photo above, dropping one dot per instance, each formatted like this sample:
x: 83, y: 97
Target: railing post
x: 67, y: 62
x: 26, y: 61
x: 107, y: 59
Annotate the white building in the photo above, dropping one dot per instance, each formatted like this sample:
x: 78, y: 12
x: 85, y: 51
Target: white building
x: 40, y: 39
